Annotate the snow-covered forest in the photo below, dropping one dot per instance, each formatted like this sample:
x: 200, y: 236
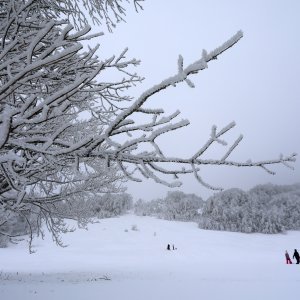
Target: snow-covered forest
x: 265, y: 208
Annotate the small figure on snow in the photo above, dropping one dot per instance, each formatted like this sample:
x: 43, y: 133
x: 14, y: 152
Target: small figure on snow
x: 174, y: 247
x: 168, y: 247
x: 287, y: 257
x: 296, y: 256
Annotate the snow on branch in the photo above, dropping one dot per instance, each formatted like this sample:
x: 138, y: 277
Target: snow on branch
x: 66, y: 133
x: 215, y: 137
x: 47, y: 82
x: 108, y: 12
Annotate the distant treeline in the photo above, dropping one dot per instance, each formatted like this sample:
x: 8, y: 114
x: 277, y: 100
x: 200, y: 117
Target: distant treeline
x: 265, y: 208
x: 87, y: 209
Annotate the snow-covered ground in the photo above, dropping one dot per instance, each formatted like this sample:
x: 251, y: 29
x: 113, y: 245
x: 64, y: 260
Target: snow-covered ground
x: 112, y: 261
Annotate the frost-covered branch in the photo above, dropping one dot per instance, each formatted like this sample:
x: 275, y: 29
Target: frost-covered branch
x: 66, y: 132
x: 143, y: 160
x: 47, y: 83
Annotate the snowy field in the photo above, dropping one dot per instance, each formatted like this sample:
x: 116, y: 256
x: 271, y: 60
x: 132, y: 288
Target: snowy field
x: 112, y: 261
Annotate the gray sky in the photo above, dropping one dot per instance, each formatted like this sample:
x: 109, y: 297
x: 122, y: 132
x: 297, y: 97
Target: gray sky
x: 255, y: 83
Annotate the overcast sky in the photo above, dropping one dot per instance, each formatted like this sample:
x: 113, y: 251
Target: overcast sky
x: 256, y: 83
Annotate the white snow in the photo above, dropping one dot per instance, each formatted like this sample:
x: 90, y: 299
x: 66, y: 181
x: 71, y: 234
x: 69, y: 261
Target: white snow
x: 206, y: 265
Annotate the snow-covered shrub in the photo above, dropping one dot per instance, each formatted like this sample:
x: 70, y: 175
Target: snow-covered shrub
x: 4, y: 240
x: 134, y: 227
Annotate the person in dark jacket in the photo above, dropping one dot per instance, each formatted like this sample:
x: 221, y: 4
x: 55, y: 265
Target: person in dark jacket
x: 296, y: 256
x: 287, y: 257
x: 168, y: 247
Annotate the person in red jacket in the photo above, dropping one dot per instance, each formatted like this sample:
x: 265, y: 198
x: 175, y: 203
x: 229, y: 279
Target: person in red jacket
x: 287, y: 257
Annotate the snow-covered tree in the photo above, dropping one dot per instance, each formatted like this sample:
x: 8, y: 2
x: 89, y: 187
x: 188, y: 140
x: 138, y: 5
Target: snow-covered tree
x: 181, y: 206
x: 229, y: 210
x: 98, y: 206
x: 175, y: 206
x: 265, y: 208
x: 267, y: 191
x: 47, y: 84
x: 111, y: 205
x: 154, y: 207
x: 280, y: 202
x: 66, y: 131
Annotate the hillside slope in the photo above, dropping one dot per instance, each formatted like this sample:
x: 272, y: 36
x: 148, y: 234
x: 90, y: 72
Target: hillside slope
x: 206, y: 264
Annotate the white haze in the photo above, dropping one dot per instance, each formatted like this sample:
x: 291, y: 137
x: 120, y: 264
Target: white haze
x: 255, y: 83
